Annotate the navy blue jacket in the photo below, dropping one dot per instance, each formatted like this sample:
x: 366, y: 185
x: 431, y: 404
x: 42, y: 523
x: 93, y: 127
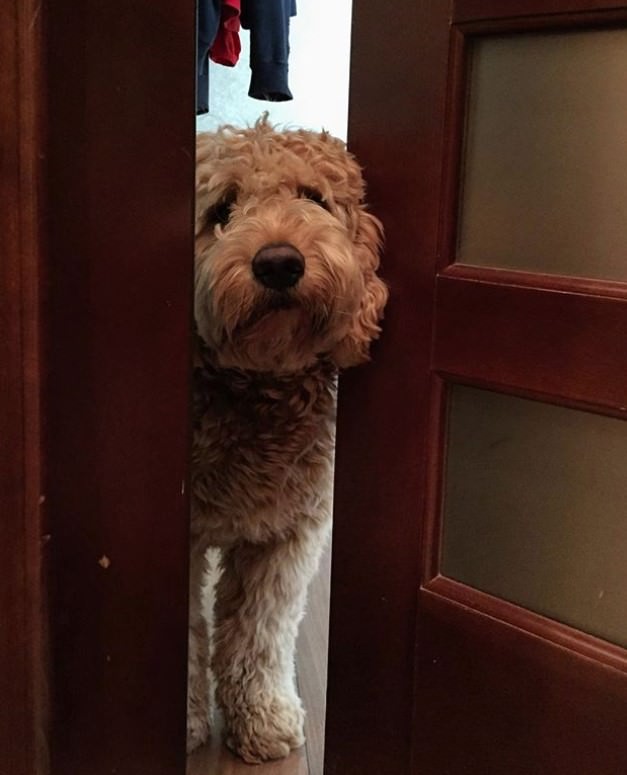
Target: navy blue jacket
x: 208, y: 23
x: 269, y: 25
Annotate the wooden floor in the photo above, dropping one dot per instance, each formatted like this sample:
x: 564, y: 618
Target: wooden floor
x: 215, y: 759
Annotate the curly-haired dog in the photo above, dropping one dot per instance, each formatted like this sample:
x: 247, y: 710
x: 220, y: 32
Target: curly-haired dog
x: 286, y: 294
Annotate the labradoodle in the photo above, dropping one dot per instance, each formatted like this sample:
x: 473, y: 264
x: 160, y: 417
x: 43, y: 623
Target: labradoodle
x: 286, y: 293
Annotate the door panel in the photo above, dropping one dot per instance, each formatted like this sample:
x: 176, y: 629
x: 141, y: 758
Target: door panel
x: 120, y: 212
x: 493, y: 699
x: 500, y: 688
x: 494, y: 328
x: 381, y: 421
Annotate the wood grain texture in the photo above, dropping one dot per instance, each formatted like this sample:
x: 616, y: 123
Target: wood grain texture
x: 550, y: 342
x: 560, y: 635
x: 495, y: 699
x: 497, y: 688
x: 22, y: 686
x: 120, y: 198
x: 473, y: 10
x: 395, y: 129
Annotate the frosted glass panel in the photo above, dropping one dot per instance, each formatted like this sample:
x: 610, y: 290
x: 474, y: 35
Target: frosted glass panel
x: 535, y: 508
x: 544, y: 183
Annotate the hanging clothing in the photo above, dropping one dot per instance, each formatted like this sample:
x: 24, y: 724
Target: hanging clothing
x: 226, y: 46
x: 218, y: 39
x: 209, y: 13
x: 269, y: 25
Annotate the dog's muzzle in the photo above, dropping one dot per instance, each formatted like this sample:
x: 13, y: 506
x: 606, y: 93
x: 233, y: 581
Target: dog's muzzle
x: 278, y: 266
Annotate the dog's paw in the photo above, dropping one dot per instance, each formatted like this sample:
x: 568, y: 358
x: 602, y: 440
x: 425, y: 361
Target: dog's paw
x: 197, y: 730
x: 265, y: 731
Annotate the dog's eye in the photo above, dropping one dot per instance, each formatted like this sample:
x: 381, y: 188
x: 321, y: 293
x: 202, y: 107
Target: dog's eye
x: 221, y: 211
x: 313, y: 196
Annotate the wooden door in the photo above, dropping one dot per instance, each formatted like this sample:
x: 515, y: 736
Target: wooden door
x: 119, y: 195
x: 479, y: 494
x: 22, y: 688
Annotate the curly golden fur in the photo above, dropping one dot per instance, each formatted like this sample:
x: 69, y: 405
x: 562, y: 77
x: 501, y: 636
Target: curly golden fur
x: 267, y: 358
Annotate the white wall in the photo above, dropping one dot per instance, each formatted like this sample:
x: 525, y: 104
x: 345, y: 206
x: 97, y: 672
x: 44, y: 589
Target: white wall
x: 319, y: 71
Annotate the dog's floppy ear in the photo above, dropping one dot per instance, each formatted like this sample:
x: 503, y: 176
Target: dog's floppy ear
x: 354, y: 347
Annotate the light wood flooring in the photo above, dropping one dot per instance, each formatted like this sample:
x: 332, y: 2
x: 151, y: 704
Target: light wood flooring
x: 215, y: 759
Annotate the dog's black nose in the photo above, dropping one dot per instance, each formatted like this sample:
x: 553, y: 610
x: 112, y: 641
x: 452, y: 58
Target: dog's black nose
x: 278, y: 266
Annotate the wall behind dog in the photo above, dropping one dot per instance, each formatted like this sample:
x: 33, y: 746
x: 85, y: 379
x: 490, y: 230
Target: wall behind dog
x: 319, y: 73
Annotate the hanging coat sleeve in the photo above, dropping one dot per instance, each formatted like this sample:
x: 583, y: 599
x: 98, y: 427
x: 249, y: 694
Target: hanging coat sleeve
x: 208, y: 22
x: 269, y: 25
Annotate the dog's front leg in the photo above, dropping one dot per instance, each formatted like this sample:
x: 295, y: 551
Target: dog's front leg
x: 198, y: 695
x: 260, y: 602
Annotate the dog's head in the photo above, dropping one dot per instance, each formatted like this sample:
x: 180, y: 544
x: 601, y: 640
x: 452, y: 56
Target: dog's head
x: 286, y: 254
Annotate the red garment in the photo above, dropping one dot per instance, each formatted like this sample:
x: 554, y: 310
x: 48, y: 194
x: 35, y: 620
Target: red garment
x: 226, y: 47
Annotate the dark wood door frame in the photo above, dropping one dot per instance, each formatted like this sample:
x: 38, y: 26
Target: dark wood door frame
x: 395, y: 129
x: 120, y: 181
x: 22, y: 531
x: 96, y: 218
